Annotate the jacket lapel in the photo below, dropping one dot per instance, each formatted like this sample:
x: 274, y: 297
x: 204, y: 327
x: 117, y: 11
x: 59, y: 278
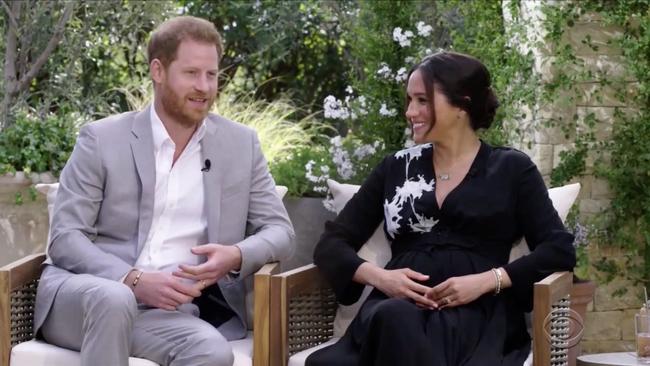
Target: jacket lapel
x: 143, y: 155
x: 210, y: 145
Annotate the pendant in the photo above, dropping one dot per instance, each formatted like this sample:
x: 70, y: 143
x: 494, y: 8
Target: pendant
x: 443, y: 176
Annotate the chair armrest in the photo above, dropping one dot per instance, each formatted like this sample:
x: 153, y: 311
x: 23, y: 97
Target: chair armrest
x: 551, y: 314
x: 303, y: 307
x: 18, y: 283
x: 261, y: 320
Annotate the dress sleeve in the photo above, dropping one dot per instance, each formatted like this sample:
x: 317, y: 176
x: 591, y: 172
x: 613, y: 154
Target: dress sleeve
x: 550, y: 244
x: 336, y: 252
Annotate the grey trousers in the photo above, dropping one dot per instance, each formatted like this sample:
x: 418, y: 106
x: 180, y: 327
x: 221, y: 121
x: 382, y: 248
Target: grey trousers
x: 101, y: 319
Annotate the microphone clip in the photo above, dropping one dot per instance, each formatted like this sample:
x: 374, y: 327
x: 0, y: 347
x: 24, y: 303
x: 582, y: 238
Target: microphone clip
x: 206, y: 166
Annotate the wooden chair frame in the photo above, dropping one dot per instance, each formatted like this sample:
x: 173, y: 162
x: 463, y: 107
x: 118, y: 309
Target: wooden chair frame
x: 19, y: 280
x: 303, y: 309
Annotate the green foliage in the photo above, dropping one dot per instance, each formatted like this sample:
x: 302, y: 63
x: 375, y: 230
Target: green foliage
x: 276, y: 122
x: 306, y: 170
x: 35, y: 145
x: 374, y: 48
x: 572, y: 164
x: 279, y: 47
x: 478, y: 28
x: 290, y: 170
x: 103, y: 48
x: 624, y: 160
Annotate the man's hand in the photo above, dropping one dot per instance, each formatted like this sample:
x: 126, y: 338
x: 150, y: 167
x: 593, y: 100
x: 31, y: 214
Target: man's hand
x: 220, y: 259
x: 162, y: 290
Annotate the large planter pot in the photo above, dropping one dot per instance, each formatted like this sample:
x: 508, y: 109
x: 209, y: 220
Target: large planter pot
x: 582, y: 293
x: 308, y: 216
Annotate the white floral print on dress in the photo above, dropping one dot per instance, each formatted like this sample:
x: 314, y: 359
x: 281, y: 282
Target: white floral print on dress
x: 412, y: 189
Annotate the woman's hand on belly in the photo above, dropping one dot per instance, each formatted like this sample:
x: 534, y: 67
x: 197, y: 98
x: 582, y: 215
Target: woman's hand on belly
x: 399, y: 283
x: 456, y: 291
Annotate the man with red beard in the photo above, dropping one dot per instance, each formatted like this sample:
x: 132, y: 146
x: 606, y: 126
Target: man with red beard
x: 160, y: 216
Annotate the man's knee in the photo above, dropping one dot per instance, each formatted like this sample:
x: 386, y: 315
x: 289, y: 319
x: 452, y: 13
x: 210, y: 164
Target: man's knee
x: 211, y: 348
x: 111, y: 299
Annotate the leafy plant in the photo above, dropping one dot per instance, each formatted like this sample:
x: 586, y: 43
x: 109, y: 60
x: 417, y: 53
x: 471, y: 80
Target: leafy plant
x: 275, y: 122
x: 34, y: 145
x: 290, y: 170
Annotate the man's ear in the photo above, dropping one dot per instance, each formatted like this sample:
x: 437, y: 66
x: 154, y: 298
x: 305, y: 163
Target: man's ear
x: 157, y: 71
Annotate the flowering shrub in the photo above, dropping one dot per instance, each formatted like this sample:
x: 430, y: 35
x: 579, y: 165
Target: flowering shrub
x: 390, y: 38
x: 306, y: 171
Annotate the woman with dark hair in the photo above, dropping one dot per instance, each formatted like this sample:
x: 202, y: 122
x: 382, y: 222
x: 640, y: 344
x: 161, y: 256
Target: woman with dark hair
x: 453, y: 207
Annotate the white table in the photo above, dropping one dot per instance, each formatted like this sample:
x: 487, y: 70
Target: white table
x: 609, y: 359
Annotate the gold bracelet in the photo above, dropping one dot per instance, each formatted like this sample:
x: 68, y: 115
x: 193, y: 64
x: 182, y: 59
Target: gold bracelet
x: 497, y: 280
x: 137, y: 278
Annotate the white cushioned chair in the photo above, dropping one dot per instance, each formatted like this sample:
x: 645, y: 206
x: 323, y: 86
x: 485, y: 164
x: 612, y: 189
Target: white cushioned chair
x: 305, y: 316
x: 18, y: 283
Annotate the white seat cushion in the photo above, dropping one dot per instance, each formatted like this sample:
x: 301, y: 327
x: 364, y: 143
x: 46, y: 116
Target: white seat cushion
x: 39, y: 353
x: 298, y: 359
x: 243, y: 350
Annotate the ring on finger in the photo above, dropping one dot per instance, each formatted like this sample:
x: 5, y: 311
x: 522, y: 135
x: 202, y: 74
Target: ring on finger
x: 204, y: 284
x: 446, y: 301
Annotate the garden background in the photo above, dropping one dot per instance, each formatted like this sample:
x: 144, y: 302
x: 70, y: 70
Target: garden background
x: 323, y: 83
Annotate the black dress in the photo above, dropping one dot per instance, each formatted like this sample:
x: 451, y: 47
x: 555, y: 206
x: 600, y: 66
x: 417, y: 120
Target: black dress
x: 502, y: 198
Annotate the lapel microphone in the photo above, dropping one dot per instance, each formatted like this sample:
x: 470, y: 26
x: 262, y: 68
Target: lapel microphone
x: 206, y: 166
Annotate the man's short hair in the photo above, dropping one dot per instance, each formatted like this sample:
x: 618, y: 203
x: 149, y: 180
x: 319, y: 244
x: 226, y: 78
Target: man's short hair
x: 166, y: 38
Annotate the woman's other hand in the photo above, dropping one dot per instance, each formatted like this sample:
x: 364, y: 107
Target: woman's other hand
x: 398, y: 283
x: 456, y: 291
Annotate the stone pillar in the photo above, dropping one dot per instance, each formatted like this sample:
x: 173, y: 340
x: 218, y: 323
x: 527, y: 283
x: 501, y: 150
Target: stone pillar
x: 609, y: 322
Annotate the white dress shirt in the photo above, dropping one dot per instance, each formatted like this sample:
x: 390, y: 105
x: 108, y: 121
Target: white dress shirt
x: 179, y: 216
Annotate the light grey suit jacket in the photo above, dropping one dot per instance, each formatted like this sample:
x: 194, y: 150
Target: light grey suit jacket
x: 104, y: 206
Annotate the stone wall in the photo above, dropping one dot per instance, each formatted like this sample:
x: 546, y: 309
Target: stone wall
x: 609, y: 322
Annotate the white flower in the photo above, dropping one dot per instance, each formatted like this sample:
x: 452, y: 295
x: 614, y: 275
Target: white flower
x: 402, y: 37
x: 329, y: 204
x: 362, y: 105
x: 408, y: 142
x: 349, y: 90
x: 401, y: 75
x: 384, y: 111
x: 424, y: 29
x: 334, y: 108
x: 409, y: 60
x: 341, y: 158
x: 363, y: 151
x: 325, y: 169
x: 384, y: 71
x: 336, y: 141
x: 313, y: 178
